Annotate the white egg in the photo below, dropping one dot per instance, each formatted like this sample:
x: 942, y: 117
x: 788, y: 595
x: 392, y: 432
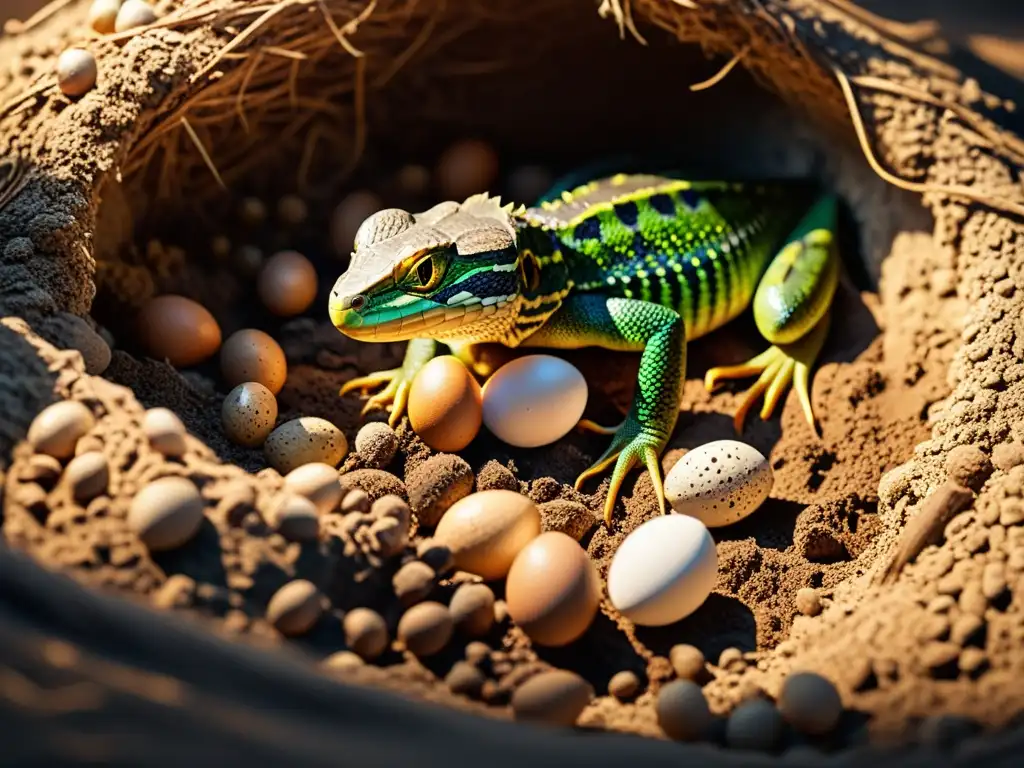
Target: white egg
x: 719, y: 483
x: 664, y: 571
x: 534, y: 400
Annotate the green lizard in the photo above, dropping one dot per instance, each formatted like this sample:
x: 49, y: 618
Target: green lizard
x: 630, y: 262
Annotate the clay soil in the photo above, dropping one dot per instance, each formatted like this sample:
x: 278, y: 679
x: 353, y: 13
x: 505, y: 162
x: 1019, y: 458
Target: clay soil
x: 923, y: 637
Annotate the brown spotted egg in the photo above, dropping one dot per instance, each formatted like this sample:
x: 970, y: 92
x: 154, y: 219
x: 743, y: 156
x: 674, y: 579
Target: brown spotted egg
x: 719, y: 483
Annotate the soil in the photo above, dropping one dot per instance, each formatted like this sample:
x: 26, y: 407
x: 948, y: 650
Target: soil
x: 918, y: 388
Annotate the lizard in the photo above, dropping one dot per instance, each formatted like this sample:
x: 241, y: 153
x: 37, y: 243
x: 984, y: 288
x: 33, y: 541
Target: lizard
x: 635, y: 262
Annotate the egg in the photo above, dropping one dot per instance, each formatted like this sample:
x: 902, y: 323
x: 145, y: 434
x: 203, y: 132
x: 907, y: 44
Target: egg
x: 663, y: 571
x: 719, y: 483
x: 485, y: 531
x: 248, y: 414
x: 553, y: 589
x: 178, y: 329
x: 76, y: 72
x: 352, y: 211
x: 466, y: 168
x: 287, y: 283
x: 444, y: 404
x: 303, y: 441
x: 534, y: 400
x: 252, y: 355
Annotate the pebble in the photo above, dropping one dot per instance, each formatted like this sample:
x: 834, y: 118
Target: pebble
x: 295, y: 608
x: 687, y: 661
x: 808, y: 601
x: 343, y: 661
x: 436, y: 484
x: 305, y: 440
x: 486, y: 530
x: 295, y: 517
x: 682, y: 711
x: 624, y: 685
x: 42, y: 469
x: 968, y: 466
x: 810, y: 703
x: 252, y: 211
x: 355, y: 500
x: 568, y: 517
x: 472, y: 609
x: 165, y: 432
x: 292, y: 210
x: 966, y: 628
x: 465, y: 679
x: 719, y: 483
x: 366, y: 633
x: 413, y: 582
x: 557, y: 697
x: 87, y: 475
x: 318, y: 482
x: 496, y: 476
x: 477, y: 652
x: 466, y: 168
x: 426, y: 628
x: 754, y: 725
x: 732, y: 660
x: 374, y: 482
x: 103, y: 15
x: 377, y: 443
x: 134, y: 13
x: 248, y: 414
x: 56, y: 429
x: 993, y: 580
x: 934, y: 656
x: 166, y: 513
x: 436, y: 555
x: 76, y: 72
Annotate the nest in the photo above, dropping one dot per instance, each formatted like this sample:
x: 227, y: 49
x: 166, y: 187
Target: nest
x: 311, y: 96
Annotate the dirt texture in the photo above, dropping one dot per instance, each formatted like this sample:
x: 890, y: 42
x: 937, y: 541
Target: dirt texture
x: 906, y: 514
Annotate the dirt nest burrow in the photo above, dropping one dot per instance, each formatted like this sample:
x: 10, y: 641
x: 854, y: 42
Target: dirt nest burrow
x: 888, y: 556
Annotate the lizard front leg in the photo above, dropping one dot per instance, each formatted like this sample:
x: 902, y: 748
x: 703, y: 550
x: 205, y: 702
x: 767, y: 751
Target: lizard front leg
x: 628, y: 325
x: 397, y: 381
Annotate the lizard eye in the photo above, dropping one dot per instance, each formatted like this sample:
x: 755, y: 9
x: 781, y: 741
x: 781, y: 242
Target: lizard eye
x: 427, y: 273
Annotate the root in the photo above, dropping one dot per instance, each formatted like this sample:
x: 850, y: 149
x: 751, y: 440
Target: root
x: 723, y: 72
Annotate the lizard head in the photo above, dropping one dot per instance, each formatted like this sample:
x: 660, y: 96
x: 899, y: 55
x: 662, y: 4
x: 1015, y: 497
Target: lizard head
x: 450, y: 272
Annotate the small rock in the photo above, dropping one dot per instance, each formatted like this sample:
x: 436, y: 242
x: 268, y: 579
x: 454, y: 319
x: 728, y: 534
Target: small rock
x: 993, y: 580
x: 436, y: 555
x: 810, y: 703
x: 355, y: 500
x: 465, y: 679
x: 1006, y: 456
x: 413, y: 582
x: 557, y: 697
x: 682, y: 711
x: 941, y: 604
x: 167, y: 513
x: 165, y: 432
x: 295, y: 517
x: 42, y: 469
x: 366, y: 633
x: 374, y: 482
x: 972, y: 599
x: 436, y: 484
x: 76, y: 72
x: 568, y: 517
x: 317, y: 482
x: 973, y: 661
x: 624, y: 685
x: 966, y: 465
x: 754, y: 725
x: 472, y: 609
x: 376, y: 443
x: 966, y: 628
x: 295, y: 608
x: 494, y: 475
x: 477, y: 652
x: 177, y: 592
x: 937, y: 656
x: 732, y: 660
x: 426, y: 628
x: 687, y: 661
x: 343, y: 661
x: 808, y: 601
x: 57, y: 428
x: 933, y: 627
x: 87, y: 475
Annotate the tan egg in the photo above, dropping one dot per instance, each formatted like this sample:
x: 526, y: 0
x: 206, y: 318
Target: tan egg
x: 466, y: 168
x: 252, y: 355
x: 486, y: 530
x: 553, y: 589
x: 555, y: 697
x: 295, y: 608
x: 165, y: 431
x: 167, y: 513
x: 178, y: 329
x: 56, y: 429
x: 445, y: 404
x: 303, y: 441
x: 76, y: 72
x: 287, y: 284
x: 248, y: 414
x: 103, y: 14
x: 134, y: 13
x: 352, y: 211
x: 319, y: 483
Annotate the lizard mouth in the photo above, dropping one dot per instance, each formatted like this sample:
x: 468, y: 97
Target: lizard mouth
x: 391, y: 325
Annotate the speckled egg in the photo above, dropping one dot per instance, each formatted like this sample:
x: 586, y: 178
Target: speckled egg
x: 248, y: 414
x: 663, y: 571
x: 553, y: 589
x: 303, y: 441
x: 252, y: 355
x: 534, y: 400
x: 444, y: 404
x: 178, y: 329
x: 486, y: 530
x: 719, y: 483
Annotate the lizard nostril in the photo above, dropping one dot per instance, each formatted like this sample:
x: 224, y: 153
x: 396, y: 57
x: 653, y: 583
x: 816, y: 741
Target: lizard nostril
x: 358, y: 302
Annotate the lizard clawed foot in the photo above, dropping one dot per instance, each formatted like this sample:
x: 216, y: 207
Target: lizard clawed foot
x: 394, y: 394
x: 630, y: 446
x: 778, y: 366
x: 592, y: 426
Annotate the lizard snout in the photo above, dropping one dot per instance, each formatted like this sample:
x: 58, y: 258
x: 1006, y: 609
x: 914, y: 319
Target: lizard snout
x: 344, y: 310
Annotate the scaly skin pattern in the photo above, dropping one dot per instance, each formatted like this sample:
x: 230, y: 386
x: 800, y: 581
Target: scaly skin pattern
x: 638, y: 263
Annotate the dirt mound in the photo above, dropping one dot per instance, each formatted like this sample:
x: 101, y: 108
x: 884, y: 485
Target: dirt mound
x: 887, y: 557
